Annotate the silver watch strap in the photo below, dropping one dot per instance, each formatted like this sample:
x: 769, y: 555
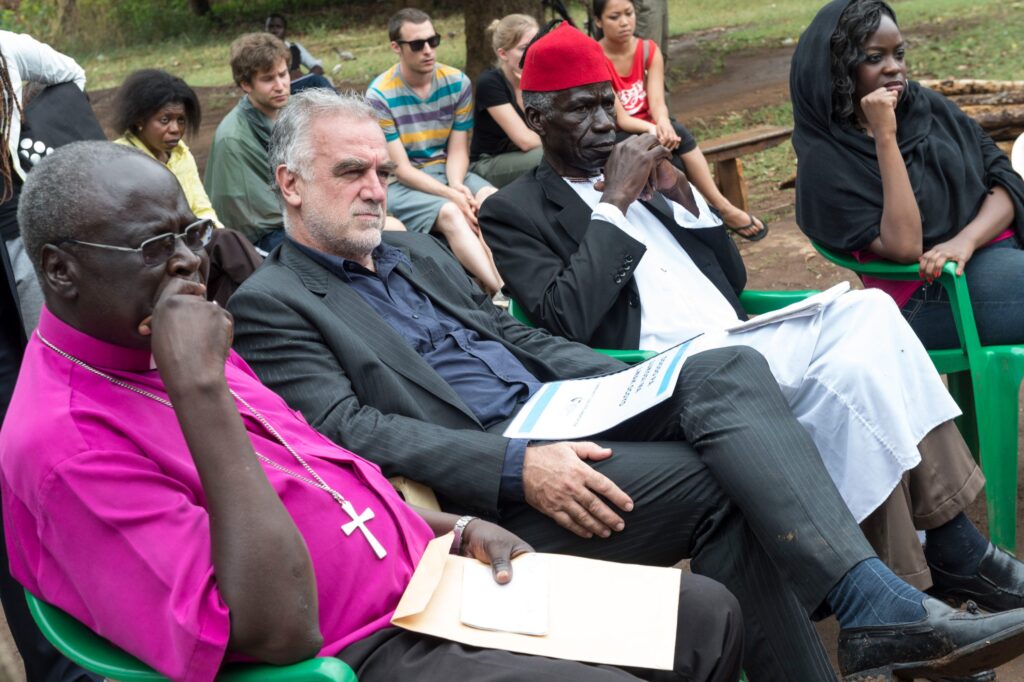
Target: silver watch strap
x: 459, y: 527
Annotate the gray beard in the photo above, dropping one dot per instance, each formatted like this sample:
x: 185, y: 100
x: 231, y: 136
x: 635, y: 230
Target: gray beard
x: 334, y: 238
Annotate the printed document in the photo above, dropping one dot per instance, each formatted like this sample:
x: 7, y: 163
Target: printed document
x: 577, y: 408
x: 805, y: 308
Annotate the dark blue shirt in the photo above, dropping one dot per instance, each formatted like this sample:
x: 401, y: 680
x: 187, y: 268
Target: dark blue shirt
x: 488, y: 378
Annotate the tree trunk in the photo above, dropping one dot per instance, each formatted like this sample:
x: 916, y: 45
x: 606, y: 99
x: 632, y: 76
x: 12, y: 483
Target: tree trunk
x: 199, y: 8
x: 478, y: 15
x: 67, y: 17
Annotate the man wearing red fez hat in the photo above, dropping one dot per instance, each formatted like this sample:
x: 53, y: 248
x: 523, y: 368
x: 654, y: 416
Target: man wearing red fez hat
x: 611, y: 246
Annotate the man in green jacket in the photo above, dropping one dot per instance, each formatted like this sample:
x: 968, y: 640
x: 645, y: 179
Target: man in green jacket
x: 238, y: 177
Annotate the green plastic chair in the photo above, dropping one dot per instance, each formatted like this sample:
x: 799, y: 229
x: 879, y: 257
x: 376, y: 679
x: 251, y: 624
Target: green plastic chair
x: 754, y: 302
x: 628, y: 356
x: 984, y: 381
x: 97, y: 655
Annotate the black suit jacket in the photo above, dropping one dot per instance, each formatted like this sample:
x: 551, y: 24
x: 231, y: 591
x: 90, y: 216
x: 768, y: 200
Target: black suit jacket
x: 574, y: 275
x: 317, y: 343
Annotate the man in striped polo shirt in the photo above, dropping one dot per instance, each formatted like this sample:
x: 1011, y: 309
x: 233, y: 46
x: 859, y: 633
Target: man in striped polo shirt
x: 426, y: 112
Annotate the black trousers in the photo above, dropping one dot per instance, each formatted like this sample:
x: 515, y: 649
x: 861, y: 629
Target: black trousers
x: 709, y: 643
x: 724, y: 474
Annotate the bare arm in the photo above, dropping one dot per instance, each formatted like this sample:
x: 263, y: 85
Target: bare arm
x: 506, y: 117
x: 413, y: 177
x: 631, y: 124
x: 900, y: 238
x: 655, y: 87
x: 458, y: 157
x: 994, y: 216
x: 260, y: 560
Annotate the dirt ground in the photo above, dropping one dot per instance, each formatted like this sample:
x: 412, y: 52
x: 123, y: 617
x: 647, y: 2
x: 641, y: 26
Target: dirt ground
x: 785, y: 260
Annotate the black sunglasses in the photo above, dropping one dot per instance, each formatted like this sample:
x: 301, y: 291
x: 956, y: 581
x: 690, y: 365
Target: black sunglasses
x: 159, y: 249
x: 417, y: 45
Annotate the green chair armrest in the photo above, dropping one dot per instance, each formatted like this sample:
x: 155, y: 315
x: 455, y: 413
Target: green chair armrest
x: 628, y: 356
x: 516, y: 311
x: 95, y: 654
x: 324, y: 669
x: 882, y: 269
x: 956, y: 288
x: 85, y: 647
x: 756, y: 302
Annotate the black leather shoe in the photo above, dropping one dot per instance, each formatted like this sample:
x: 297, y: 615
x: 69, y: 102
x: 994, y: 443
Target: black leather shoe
x: 945, y: 643
x: 998, y: 584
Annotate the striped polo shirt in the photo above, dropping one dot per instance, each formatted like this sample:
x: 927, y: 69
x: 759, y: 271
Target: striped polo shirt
x: 423, y: 125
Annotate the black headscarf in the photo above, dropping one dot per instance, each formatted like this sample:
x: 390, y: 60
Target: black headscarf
x: 952, y: 163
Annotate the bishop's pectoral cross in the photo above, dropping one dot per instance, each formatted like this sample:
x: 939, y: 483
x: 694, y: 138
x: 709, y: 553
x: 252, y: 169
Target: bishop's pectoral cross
x: 359, y: 521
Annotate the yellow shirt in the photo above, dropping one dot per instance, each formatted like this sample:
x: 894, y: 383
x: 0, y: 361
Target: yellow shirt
x: 183, y: 165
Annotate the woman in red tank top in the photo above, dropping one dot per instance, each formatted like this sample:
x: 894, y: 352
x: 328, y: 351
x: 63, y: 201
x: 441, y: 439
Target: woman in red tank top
x: 637, y: 71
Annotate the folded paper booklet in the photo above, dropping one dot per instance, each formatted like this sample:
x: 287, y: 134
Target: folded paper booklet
x: 597, y: 611
x: 576, y: 408
x: 805, y: 308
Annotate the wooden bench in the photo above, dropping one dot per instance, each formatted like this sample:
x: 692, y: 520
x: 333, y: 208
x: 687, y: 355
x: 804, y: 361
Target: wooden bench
x: 725, y: 153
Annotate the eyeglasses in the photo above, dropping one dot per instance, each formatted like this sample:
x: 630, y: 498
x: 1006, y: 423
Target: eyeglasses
x: 159, y: 249
x: 417, y: 45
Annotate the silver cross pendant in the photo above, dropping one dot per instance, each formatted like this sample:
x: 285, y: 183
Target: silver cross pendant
x: 359, y: 521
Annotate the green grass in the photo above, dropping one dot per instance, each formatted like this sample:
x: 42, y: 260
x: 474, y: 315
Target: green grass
x: 201, y: 58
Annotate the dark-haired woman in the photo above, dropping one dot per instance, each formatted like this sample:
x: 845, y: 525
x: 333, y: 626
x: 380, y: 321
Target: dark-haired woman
x: 889, y: 169
x: 155, y: 110
x: 637, y: 70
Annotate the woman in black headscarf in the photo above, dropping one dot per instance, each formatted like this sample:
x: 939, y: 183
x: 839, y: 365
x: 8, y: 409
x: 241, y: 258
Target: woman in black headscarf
x: 890, y: 169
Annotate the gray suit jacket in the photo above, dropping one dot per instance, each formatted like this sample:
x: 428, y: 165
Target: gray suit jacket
x: 312, y: 339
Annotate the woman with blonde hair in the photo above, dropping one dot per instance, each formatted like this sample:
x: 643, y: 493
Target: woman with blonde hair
x: 503, y: 147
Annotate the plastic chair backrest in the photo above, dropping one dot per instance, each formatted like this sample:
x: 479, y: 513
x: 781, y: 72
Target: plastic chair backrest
x: 97, y: 655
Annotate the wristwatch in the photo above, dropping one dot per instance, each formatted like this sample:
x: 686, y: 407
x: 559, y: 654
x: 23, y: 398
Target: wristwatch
x: 460, y: 527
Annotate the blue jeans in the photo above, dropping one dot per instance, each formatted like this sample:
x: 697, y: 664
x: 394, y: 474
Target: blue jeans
x: 995, y: 279
x: 309, y: 81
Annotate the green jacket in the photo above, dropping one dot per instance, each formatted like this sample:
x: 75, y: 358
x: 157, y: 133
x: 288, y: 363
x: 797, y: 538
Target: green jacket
x: 238, y: 178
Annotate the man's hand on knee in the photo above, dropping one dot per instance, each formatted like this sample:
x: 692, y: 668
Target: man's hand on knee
x: 558, y: 483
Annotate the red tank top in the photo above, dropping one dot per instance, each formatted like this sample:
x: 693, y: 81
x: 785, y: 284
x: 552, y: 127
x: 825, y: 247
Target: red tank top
x: 631, y: 90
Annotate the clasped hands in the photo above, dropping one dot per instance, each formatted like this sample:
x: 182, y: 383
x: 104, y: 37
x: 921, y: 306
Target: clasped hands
x: 638, y: 167
x: 463, y: 197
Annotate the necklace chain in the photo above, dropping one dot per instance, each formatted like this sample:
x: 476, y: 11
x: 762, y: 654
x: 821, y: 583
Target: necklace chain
x: 316, y: 482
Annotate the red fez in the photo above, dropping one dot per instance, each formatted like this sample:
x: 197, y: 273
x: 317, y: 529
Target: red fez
x: 563, y: 59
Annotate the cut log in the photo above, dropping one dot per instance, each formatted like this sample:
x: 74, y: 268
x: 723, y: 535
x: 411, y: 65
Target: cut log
x: 992, y: 99
x: 969, y: 86
x: 993, y: 118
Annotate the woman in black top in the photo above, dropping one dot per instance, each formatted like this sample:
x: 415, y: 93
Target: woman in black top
x: 503, y: 148
x: 890, y: 169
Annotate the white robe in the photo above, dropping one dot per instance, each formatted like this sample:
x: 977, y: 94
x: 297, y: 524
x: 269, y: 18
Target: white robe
x: 855, y: 374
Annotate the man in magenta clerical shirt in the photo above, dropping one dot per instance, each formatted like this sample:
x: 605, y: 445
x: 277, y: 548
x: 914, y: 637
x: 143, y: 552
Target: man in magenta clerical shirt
x: 156, y: 491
